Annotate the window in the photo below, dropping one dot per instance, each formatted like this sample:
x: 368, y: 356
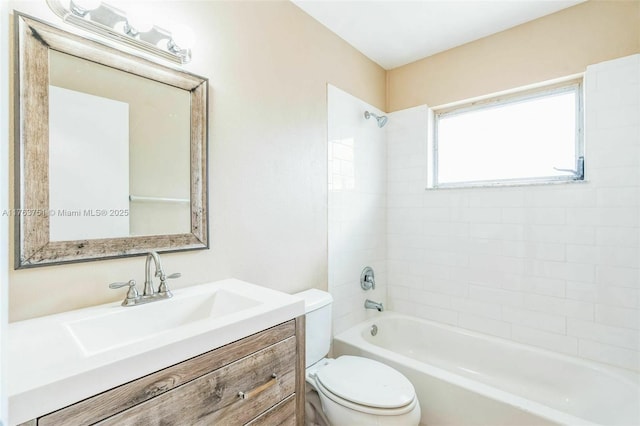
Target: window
x: 534, y: 136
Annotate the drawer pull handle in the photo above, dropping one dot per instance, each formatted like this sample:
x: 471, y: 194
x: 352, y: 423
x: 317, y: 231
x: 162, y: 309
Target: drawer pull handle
x: 259, y: 389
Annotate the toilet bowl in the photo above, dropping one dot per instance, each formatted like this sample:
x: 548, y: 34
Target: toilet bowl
x: 360, y: 391
x: 353, y: 390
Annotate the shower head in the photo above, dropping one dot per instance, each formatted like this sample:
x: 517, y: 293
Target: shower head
x: 382, y: 120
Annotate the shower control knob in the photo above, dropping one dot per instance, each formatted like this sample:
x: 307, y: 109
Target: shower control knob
x: 367, y: 279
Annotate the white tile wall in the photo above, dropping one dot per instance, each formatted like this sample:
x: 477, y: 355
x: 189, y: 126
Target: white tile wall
x: 357, y: 201
x: 554, y: 266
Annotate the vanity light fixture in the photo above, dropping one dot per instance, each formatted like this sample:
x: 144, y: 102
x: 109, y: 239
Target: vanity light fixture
x: 111, y: 22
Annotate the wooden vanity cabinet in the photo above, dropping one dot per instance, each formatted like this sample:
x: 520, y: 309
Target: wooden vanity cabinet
x: 258, y: 380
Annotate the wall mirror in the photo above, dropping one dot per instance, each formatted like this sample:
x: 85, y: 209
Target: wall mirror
x: 110, y: 148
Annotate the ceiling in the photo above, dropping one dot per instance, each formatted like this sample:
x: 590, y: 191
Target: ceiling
x: 396, y: 32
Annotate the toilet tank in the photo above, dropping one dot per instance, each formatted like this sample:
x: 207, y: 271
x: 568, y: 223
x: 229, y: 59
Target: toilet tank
x: 317, y: 307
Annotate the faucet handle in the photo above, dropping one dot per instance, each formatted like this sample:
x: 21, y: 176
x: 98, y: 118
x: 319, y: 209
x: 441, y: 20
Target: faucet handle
x: 130, y: 283
x: 367, y: 278
x: 162, y: 288
x: 133, y: 291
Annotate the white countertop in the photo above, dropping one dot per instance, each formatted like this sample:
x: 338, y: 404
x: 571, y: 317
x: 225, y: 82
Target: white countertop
x: 48, y: 368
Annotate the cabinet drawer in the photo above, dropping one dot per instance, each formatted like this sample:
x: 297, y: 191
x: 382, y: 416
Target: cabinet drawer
x: 124, y: 397
x: 264, y: 378
x: 283, y: 414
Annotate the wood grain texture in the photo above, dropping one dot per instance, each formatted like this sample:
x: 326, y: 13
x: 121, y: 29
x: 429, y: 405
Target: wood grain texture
x: 199, y: 158
x: 116, y: 400
x: 33, y: 246
x: 213, y: 398
x: 301, y: 383
x: 283, y: 413
x: 32, y: 170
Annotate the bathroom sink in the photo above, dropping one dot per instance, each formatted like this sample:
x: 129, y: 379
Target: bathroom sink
x: 123, y: 326
x: 60, y: 359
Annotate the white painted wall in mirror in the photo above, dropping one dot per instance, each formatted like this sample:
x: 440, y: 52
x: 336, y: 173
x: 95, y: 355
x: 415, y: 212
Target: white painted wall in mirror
x: 88, y: 166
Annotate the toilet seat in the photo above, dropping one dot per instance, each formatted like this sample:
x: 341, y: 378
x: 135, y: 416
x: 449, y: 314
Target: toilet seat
x: 367, y: 385
x: 363, y: 408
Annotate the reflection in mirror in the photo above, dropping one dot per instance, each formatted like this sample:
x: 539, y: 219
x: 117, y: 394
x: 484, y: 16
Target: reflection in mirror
x: 118, y: 143
x: 111, y: 151
x: 88, y: 165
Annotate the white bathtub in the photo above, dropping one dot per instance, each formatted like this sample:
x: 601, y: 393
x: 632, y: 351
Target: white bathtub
x: 466, y: 378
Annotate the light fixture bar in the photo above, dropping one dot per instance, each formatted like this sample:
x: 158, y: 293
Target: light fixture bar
x: 103, y: 21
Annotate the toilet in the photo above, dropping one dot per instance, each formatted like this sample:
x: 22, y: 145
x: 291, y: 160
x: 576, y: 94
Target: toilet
x: 353, y: 390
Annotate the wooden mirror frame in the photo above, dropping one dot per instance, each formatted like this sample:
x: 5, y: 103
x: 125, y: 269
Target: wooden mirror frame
x: 33, y: 40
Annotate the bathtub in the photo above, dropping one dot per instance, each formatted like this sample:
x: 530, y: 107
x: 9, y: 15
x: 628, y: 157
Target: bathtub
x: 467, y: 378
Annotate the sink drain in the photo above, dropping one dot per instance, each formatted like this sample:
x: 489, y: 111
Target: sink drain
x: 374, y: 330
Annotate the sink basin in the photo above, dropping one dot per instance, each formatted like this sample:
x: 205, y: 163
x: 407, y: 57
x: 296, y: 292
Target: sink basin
x: 125, y: 326
x: 64, y: 358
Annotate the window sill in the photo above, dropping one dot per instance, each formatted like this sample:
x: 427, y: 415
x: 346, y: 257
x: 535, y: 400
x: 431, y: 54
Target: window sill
x: 507, y: 185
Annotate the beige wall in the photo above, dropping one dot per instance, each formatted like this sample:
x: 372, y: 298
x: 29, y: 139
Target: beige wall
x: 268, y: 65
x: 553, y: 46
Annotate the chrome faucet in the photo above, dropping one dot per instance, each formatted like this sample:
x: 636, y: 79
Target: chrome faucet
x: 148, y: 279
x: 370, y: 304
x: 149, y: 294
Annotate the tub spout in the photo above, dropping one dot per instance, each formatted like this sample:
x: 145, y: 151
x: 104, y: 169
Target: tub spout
x: 370, y: 304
